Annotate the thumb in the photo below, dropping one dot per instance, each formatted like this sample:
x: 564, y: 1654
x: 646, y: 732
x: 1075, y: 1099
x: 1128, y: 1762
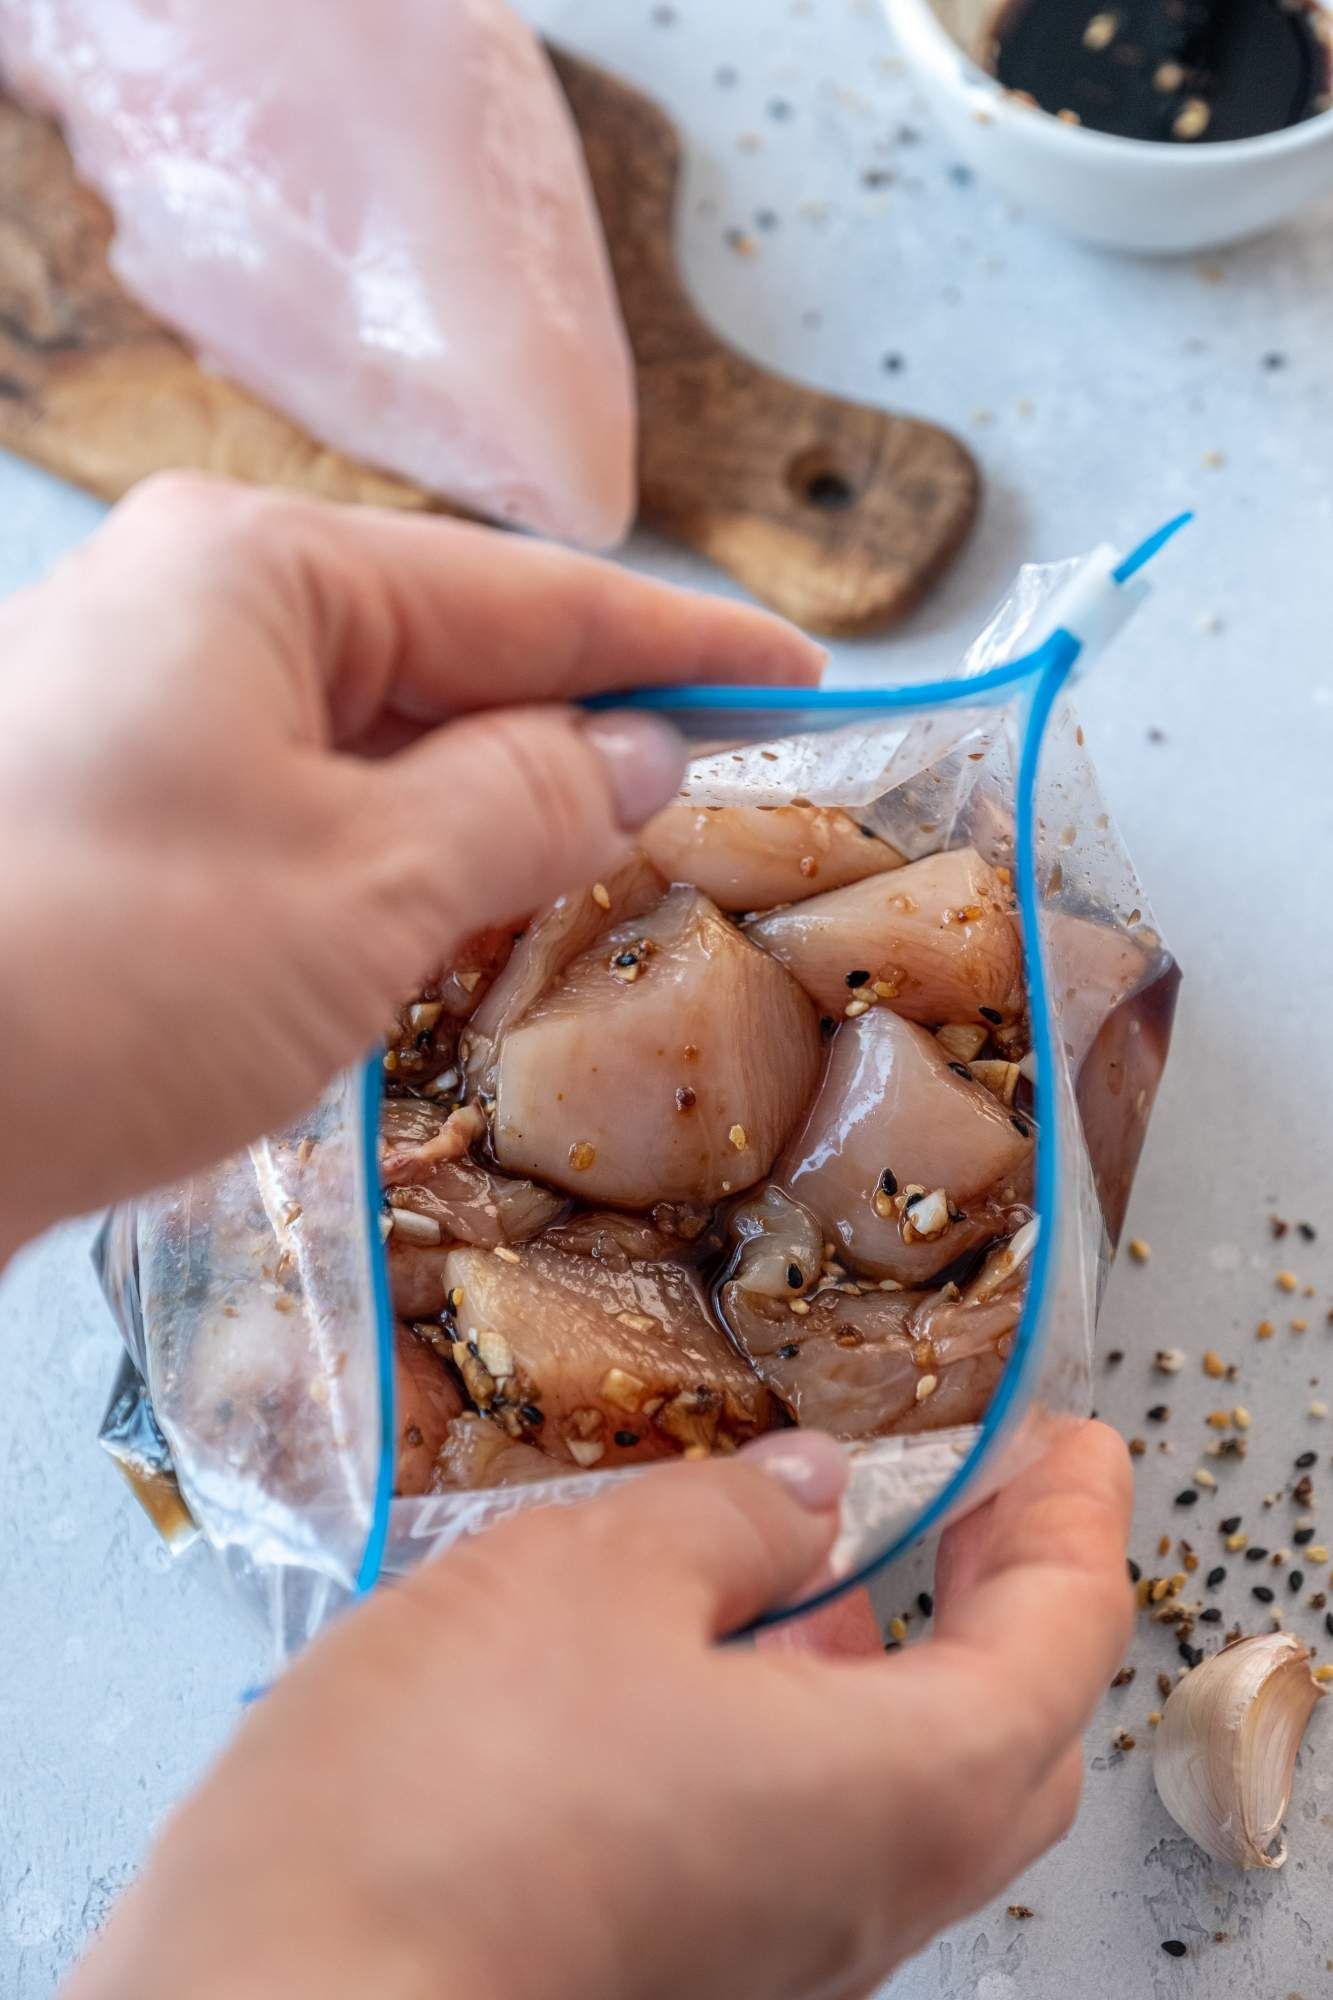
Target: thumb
x: 499, y: 812
x: 704, y: 1548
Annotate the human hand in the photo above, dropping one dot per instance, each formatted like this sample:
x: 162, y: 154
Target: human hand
x: 528, y: 1773
x: 245, y: 834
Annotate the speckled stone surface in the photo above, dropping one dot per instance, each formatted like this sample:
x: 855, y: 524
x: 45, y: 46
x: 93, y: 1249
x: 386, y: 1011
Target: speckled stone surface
x: 827, y: 229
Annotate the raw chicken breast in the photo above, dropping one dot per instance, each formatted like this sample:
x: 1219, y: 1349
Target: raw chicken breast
x: 554, y: 939
x: 417, y: 1276
x: 598, y: 1367
x: 892, y: 1114
x: 887, y: 1362
x: 479, y: 1453
x: 669, y: 1063
x: 466, y: 1203
x: 380, y: 222
x: 846, y: 1366
x: 452, y: 1199
x: 426, y: 1401
x: 754, y: 857
x: 938, y: 936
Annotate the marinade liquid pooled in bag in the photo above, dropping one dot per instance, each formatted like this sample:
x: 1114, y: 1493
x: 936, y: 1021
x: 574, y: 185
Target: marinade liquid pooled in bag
x: 822, y: 1109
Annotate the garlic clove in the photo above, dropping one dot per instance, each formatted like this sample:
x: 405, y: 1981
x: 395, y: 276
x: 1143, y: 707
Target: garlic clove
x: 1225, y: 1749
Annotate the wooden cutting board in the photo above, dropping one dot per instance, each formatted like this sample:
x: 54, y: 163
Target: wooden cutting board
x: 836, y: 513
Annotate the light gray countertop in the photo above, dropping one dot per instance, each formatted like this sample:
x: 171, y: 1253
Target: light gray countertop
x: 1100, y: 394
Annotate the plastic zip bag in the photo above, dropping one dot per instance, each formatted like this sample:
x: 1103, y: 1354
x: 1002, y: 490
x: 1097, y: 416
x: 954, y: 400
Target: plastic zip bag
x: 253, y: 1300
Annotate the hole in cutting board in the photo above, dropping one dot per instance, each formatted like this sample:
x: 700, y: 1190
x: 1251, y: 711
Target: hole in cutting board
x: 815, y: 478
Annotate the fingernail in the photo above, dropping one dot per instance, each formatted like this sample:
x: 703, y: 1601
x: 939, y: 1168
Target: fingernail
x: 644, y: 759
x: 813, y: 1467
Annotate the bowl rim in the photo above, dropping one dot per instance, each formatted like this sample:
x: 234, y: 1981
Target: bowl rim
x: 923, y: 36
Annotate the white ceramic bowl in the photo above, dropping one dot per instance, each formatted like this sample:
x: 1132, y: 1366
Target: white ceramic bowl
x: 1130, y: 194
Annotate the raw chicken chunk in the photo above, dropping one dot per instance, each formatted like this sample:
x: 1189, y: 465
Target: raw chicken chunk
x: 427, y: 1400
x: 599, y: 1367
x: 754, y: 857
x: 847, y: 1366
x: 893, y: 1114
x: 554, y: 939
x: 936, y: 940
x: 887, y: 1362
x: 478, y: 1453
x: 451, y: 1198
x: 669, y: 1063
x: 381, y: 224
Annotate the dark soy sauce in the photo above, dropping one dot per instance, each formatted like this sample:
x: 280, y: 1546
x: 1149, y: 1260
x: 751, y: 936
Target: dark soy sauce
x: 1182, y: 70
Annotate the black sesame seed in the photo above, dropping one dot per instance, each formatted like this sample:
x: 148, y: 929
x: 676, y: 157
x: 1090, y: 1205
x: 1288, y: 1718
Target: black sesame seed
x: 1020, y: 1125
x: 1115, y: 1357
x: 1229, y: 1526
x: 1135, y: 1573
x: 1191, y: 1655
x: 1210, y: 1615
x: 626, y: 958
x: 826, y: 1024
x: 794, y: 1278
x: 627, y: 1439
x: 925, y: 1603
x: 1187, y: 1498
x: 1263, y: 1593
x: 1174, y: 1948
x: 892, y: 364
x: 1306, y: 1460
x: 1273, y: 361
x: 991, y: 1014
x: 888, y: 1182
x: 532, y: 1415
x: 1301, y: 1536
x: 1328, y: 1623
x: 961, y: 1069
x: 1306, y: 1230
x: 857, y: 978
x: 789, y: 1352
x: 1159, y: 1413
x: 1296, y: 1581
x: 779, y: 108
x: 1216, y: 1576
x: 1255, y: 1555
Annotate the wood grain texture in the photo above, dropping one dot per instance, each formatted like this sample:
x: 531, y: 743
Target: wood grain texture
x: 835, y: 513
x: 838, y: 514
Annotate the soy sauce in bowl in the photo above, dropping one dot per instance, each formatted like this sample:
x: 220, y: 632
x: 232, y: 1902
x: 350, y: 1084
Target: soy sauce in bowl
x: 1187, y: 71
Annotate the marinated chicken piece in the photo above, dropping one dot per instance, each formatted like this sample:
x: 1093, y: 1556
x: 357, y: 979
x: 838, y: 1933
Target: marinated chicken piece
x: 417, y: 1282
x: 936, y: 941
x: 781, y: 1245
x: 600, y: 1367
x: 897, y: 1143
x: 672, y: 1230
x: 882, y: 1363
x: 427, y: 1400
x: 439, y: 1196
x: 467, y: 1203
x: 846, y: 1366
x: 754, y: 857
x: 418, y: 1138
x: 478, y: 1453
x: 1114, y: 998
x: 669, y: 1063
x: 382, y: 225
x: 421, y: 1049
x: 555, y: 937
x: 966, y: 1341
